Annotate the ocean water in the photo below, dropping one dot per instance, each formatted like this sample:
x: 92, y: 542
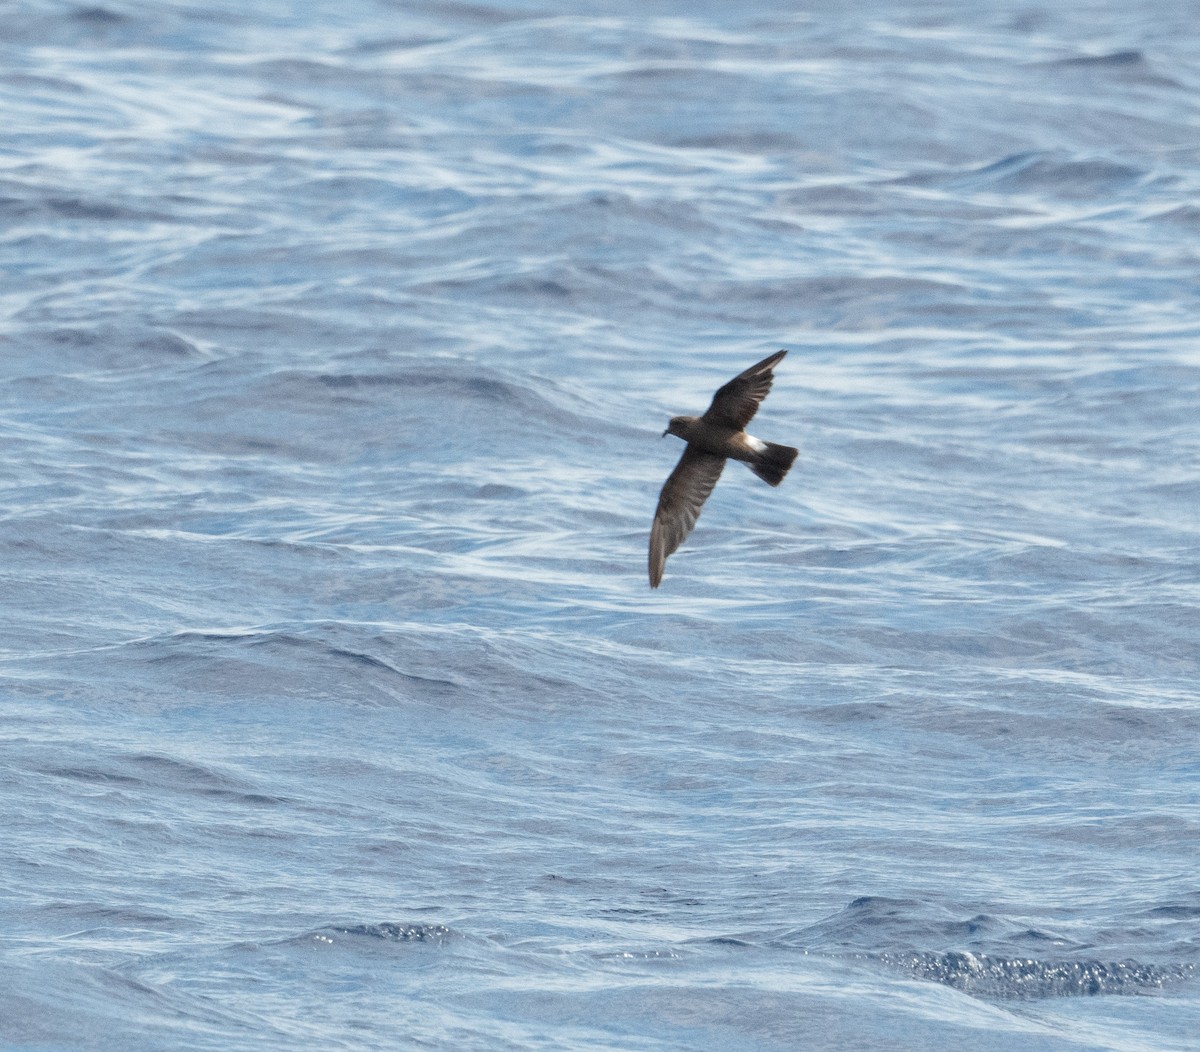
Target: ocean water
x: 335, y: 708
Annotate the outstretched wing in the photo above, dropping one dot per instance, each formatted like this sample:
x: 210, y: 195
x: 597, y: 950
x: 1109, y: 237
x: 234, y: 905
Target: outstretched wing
x: 736, y: 403
x: 679, y: 504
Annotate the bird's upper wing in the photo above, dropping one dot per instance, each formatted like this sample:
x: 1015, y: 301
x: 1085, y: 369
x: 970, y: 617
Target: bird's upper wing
x: 679, y: 504
x: 736, y: 403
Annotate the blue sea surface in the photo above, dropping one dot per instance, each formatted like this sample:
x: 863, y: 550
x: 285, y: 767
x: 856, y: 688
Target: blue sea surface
x: 336, y: 710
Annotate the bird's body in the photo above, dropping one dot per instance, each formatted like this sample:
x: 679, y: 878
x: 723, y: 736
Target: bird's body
x: 719, y: 440
x: 717, y: 436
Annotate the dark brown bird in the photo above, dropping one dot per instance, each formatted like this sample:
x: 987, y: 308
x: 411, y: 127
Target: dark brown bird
x: 712, y: 439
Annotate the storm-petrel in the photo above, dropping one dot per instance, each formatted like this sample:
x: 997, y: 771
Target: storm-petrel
x: 712, y: 439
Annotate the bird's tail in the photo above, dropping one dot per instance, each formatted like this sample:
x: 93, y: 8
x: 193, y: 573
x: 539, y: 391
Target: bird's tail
x: 774, y: 462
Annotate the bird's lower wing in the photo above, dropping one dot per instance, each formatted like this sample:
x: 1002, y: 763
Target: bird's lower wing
x: 679, y: 504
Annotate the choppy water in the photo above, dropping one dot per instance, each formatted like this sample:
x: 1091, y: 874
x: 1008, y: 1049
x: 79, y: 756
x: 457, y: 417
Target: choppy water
x: 337, y: 341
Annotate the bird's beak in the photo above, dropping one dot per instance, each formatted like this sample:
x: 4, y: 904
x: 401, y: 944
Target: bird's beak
x: 667, y: 432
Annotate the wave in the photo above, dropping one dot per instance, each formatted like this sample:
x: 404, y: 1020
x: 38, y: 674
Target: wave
x: 1038, y: 172
x: 387, y: 931
x: 290, y: 651
x: 990, y: 969
x: 1000, y: 978
x: 1129, y: 65
x: 162, y: 773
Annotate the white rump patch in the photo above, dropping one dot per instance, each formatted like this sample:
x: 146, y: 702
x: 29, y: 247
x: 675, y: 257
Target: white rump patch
x: 757, y: 444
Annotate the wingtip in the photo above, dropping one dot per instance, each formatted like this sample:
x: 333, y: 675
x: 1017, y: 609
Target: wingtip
x: 656, y: 570
x: 768, y: 363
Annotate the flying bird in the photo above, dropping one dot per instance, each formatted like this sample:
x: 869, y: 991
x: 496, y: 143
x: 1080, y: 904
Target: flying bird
x: 717, y: 436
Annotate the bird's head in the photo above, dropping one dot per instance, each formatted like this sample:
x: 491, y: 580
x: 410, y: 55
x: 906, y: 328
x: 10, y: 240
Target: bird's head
x: 678, y: 426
